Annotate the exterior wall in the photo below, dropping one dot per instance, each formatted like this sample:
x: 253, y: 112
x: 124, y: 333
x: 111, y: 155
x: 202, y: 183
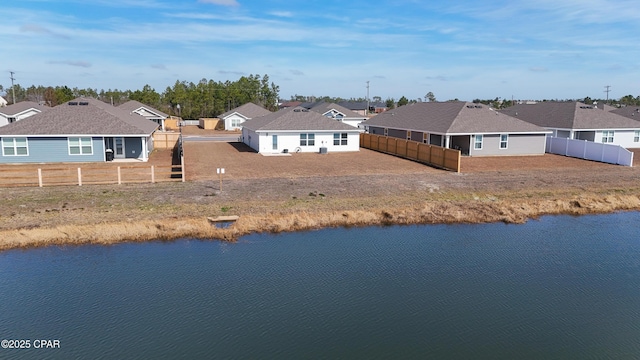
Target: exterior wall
x: 624, y: 138
x: 352, y: 122
x: 23, y: 115
x: 54, y: 149
x: 518, y: 144
x: 133, y: 148
x: 291, y: 142
x: 251, y: 138
x: 228, y: 119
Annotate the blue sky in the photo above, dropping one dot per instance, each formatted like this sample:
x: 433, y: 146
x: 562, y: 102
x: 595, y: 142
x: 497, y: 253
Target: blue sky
x: 538, y: 49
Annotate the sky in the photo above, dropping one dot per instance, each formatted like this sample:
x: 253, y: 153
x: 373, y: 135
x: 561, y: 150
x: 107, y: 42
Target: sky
x: 536, y: 49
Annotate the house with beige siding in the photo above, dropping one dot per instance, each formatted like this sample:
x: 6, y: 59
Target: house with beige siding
x: 576, y: 120
x: 474, y: 129
x: 145, y: 111
x: 298, y: 129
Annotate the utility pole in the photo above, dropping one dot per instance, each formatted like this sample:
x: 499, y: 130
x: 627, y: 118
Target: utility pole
x: 368, y: 105
x: 608, y: 87
x: 13, y: 89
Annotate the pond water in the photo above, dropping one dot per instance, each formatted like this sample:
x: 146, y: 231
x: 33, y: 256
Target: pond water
x: 559, y: 287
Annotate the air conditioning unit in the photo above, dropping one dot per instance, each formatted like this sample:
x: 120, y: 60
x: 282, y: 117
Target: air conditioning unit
x: 323, y: 150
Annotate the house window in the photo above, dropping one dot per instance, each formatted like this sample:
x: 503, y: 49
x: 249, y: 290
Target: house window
x: 339, y: 139
x: 235, y: 123
x: 504, y: 140
x: 80, y: 146
x: 307, y: 139
x: 15, y: 147
x: 607, y: 136
x: 478, y: 142
x: 636, y: 136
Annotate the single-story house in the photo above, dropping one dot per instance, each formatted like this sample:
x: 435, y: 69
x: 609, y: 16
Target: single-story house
x: 299, y: 130
x: 145, y: 111
x: 234, y: 118
x: 339, y: 113
x: 474, y: 129
x: 19, y: 111
x: 576, y: 120
x: 359, y: 107
x: 81, y: 130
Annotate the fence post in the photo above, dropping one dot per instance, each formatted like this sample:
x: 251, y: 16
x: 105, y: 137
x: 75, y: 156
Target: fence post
x: 153, y: 175
x: 79, y: 177
x: 182, y: 168
x: 39, y: 177
x: 119, y: 176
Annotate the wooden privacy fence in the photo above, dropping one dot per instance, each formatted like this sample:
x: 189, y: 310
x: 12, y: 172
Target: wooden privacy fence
x: 88, y: 175
x: 429, y: 154
x: 165, y: 140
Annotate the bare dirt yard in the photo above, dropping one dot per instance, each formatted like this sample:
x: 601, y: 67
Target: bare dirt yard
x: 363, y: 187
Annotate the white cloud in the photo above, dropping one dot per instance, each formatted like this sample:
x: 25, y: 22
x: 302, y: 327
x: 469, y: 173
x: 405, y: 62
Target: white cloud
x: 83, y: 64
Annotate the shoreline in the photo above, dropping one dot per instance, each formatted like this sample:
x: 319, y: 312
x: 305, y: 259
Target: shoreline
x: 475, y: 210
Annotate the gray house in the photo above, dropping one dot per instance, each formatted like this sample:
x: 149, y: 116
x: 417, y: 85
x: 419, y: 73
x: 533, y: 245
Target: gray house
x: 145, y: 111
x: 576, y: 120
x: 81, y: 130
x: 474, y: 129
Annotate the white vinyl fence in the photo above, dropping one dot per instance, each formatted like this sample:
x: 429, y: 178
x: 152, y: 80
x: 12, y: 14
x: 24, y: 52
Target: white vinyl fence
x: 583, y: 149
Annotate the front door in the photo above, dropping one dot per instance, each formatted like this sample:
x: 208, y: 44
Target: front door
x: 118, y: 150
x: 275, y: 142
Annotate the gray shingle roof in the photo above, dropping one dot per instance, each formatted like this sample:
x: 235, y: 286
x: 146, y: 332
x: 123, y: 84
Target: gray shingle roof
x: 95, y: 118
x: 452, y: 117
x: 295, y: 119
x: 248, y: 110
x: 570, y: 115
x: 17, y: 108
x: 133, y: 105
x: 631, y: 112
x: 323, y: 107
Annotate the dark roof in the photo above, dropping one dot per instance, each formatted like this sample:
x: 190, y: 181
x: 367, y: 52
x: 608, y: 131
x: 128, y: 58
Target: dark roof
x: 22, y: 106
x: 295, y: 119
x: 570, y: 115
x: 323, y: 107
x: 93, y: 117
x: 133, y: 105
x: 451, y: 117
x: 287, y: 104
x: 354, y: 105
x: 631, y: 112
x: 248, y: 110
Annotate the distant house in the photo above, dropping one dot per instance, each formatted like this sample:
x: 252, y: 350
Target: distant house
x: 234, y: 118
x: 289, y: 104
x: 339, y: 113
x: 81, y: 130
x: 576, y: 120
x: 3, y: 102
x: 359, y: 107
x: 19, y: 111
x: 145, y: 111
x: 475, y: 130
x: 299, y: 130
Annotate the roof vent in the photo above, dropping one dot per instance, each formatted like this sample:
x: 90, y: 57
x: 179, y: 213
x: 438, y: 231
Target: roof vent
x: 73, y: 103
x: 478, y: 106
x: 84, y: 103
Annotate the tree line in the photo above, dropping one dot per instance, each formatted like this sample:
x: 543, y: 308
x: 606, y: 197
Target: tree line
x: 206, y: 98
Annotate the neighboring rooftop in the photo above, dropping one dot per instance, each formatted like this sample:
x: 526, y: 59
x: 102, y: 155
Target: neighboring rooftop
x: 570, y: 115
x: 324, y: 107
x: 21, y: 107
x: 133, y: 105
x: 82, y: 116
x: 451, y: 117
x: 295, y: 119
x: 248, y: 110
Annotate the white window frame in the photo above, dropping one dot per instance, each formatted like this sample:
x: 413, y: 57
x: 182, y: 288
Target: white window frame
x: 235, y: 123
x: 636, y: 136
x: 11, y: 143
x: 478, y: 140
x: 505, y: 141
x: 307, y: 139
x: 340, y: 139
x: 607, y: 136
x: 81, y: 147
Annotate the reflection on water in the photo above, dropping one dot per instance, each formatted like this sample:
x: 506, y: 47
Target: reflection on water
x: 561, y: 287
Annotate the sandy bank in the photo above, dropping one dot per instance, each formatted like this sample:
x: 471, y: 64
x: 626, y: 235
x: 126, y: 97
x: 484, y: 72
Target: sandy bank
x: 475, y: 210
